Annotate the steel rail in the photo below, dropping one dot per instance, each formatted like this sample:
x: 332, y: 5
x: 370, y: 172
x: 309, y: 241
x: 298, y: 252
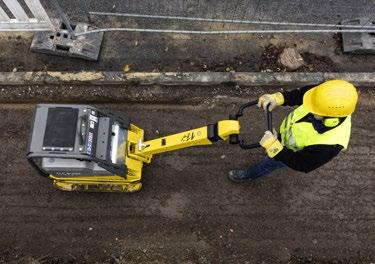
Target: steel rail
x: 223, y: 32
x: 234, y: 21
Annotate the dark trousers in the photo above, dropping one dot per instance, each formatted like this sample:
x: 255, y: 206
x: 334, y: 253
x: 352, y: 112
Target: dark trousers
x: 264, y: 167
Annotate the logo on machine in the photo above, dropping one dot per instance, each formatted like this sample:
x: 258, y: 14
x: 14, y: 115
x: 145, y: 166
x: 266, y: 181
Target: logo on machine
x: 92, y: 124
x: 89, y: 143
x: 66, y: 173
x: 94, y: 118
x: 188, y: 137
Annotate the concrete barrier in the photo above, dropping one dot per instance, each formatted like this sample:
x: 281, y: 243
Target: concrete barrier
x: 156, y: 88
x: 183, y: 78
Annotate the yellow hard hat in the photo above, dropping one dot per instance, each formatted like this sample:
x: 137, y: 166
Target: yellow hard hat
x: 335, y: 98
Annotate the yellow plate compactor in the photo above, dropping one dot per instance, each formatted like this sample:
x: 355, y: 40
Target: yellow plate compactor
x: 82, y: 148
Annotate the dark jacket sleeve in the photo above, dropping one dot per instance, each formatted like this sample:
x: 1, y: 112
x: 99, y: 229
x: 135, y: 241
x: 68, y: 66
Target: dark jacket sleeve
x: 295, y: 97
x: 308, y: 159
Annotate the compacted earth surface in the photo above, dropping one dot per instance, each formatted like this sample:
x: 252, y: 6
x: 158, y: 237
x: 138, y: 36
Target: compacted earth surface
x: 188, y: 211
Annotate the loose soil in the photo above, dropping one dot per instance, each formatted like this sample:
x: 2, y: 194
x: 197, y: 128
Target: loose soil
x: 188, y: 211
x: 169, y: 53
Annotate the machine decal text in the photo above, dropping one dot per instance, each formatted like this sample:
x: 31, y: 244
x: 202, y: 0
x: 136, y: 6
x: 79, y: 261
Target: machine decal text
x: 188, y: 137
x: 89, y: 143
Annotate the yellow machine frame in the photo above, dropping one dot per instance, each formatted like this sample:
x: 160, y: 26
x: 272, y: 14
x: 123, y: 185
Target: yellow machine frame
x: 136, y: 151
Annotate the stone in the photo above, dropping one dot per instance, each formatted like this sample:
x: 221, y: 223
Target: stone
x: 291, y: 59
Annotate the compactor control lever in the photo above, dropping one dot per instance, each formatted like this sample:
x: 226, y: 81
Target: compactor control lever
x: 235, y: 139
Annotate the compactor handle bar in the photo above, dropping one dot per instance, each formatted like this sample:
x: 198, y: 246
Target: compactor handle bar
x: 234, y: 139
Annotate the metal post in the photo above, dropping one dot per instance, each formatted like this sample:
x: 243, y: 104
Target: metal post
x: 63, y: 17
x: 85, y: 9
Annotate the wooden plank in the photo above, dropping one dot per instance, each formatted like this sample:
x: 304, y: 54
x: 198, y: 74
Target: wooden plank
x: 3, y: 16
x: 16, y: 10
x: 38, y: 11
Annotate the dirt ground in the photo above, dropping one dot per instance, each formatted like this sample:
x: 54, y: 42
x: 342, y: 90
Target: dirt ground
x: 188, y: 211
x: 188, y: 53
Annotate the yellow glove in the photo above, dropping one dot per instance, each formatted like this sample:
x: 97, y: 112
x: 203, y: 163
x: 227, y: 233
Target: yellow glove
x: 273, y: 100
x: 271, y: 144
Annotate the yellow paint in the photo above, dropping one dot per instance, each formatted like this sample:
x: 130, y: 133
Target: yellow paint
x: 181, y: 140
x: 97, y: 186
x: 135, y: 157
x: 227, y: 128
x: 82, y: 76
x: 127, y: 68
x: 194, y: 137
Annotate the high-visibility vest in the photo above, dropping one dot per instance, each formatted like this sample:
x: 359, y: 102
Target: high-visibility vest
x: 298, y: 135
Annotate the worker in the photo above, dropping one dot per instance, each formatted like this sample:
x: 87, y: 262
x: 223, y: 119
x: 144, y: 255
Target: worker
x: 311, y: 135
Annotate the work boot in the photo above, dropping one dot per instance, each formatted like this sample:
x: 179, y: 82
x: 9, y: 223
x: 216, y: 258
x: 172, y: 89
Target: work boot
x: 238, y: 176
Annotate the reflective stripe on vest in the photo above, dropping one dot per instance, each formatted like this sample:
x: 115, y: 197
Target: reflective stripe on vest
x: 297, y: 136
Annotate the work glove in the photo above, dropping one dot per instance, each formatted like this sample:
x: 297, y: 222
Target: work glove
x: 273, y: 100
x: 271, y: 144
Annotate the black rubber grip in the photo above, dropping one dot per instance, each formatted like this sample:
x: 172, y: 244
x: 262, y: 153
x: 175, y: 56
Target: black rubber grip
x: 249, y: 146
x: 234, y: 139
x: 269, y: 121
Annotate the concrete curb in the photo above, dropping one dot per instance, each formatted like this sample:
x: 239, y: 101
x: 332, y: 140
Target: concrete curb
x: 185, y: 78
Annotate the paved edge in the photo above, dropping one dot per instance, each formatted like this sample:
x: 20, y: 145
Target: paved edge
x: 182, y: 78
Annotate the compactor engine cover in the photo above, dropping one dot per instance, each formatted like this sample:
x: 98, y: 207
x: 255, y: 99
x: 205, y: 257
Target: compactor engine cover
x: 81, y: 148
